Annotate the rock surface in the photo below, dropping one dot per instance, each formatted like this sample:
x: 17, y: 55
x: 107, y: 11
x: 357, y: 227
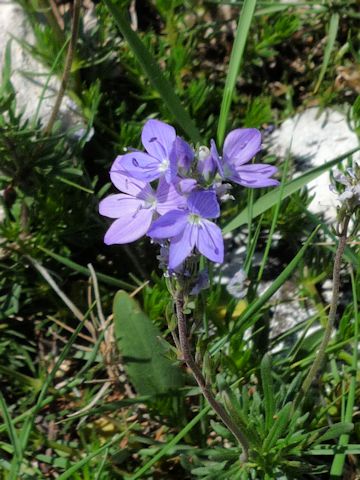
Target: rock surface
x: 314, y: 138
x: 28, y: 74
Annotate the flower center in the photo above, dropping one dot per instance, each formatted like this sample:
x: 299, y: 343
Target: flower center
x: 194, y: 219
x: 164, y: 165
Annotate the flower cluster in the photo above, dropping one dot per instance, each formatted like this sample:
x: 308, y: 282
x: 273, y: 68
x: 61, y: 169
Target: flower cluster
x: 171, y: 191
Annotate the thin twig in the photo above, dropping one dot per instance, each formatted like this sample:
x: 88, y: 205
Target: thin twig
x: 70, y: 329
x: 332, y: 315
x: 199, y: 377
x: 73, y: 308
x: 67, y: 67
x: 97, y: 294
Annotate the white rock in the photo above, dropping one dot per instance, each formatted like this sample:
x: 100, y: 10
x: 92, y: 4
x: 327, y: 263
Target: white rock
x: 314, y: 138
x: 29, y: 88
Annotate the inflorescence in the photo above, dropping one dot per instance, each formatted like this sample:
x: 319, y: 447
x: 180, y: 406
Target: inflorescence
x: 171, y: 192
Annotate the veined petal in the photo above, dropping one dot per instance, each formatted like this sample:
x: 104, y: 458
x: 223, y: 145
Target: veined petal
x: 141, y: 166
x: 129, y: 228
x: 253, y: 181
x: 256, y: 175
x: 204, y: 203
x: 181, y: 246
x: 257, y: 169
x: 168, y: 198
x: 209, y: 241
x: 184, y: 153
x: 241, y: 145
x: 169, y: 225
x: 127, y: 184
x: 158, y: 138
x: 186, y: 185
x: 216, y: 157
x: 120, y: 205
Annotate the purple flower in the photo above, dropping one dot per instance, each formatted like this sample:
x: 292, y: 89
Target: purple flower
x: 135, y: 208
x: 240, y: 147
x: 158, y: 139
x: 189, y: 229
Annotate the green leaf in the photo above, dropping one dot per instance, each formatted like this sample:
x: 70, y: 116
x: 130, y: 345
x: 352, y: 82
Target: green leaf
x: 149, y: 369
x: 268, y: 390
x: 84, y: 461
x: 237, y: 52
x: 169, y: 445
x: 85, y: 271
x: 279, y: 425
x: 335, y: 431
x: 154, y: 73
x: 10, y: 429
x: 270, y: 199
x: 333, y: 29
x: 339, y: 459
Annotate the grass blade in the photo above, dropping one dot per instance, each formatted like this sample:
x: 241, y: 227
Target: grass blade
x: 247, y: 13
x: 14, y: 439
x: 339, y: 459
x: 84, y: 461
x: 29, y: 422
x: 271, y: 198
x: 170, y: 445
x: 154, y: 73
x: 115, y: 282
x: 261, y: 301
x: 333, y: 29
x: 268, y: 390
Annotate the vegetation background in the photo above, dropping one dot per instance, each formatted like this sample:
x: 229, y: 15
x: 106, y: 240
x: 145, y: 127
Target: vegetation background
x: 75, y: 402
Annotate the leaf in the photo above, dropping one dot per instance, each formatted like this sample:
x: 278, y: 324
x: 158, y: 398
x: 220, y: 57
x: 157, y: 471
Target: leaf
x: 237, y: 52
x: 333, y: 29
x: 149, y: 369
x: 335, y: 431
x: 154, y: 73
x: 84, y: 461
x: 170, y: 444
x: 278, y: 427
x: 85, y: 271
x: 268, y: 390
x: 10, y: 429
x: 269, y: 199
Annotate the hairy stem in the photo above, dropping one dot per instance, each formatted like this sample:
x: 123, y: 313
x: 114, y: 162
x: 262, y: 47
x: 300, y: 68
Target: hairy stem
x: 67, y: 67
x: 332, y: 315
x: 199, y: 377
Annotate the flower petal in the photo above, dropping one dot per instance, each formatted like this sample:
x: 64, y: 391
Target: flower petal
x: 181, y: 246
x: 184, y: 153
x: 216, y: 157
x: 158, y: 138
x: 129, y: 228
x: 204, y: 203
x: 169, y: 225
x: 141, y: 166
x: 125, y: 183
x: 255, y: 175
x: 168, y: 198
x: 186, y: 185
x: 210, y: 242
x: 120, y: 205
x: 241, y: 145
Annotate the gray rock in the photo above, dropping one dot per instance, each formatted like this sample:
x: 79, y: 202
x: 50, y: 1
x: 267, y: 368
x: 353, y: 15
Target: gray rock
x: 314, y: 138
x: 28, y: 74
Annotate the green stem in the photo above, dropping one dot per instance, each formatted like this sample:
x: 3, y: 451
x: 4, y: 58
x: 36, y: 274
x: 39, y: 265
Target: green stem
x: 332, y: 315
x: 199, y: 377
